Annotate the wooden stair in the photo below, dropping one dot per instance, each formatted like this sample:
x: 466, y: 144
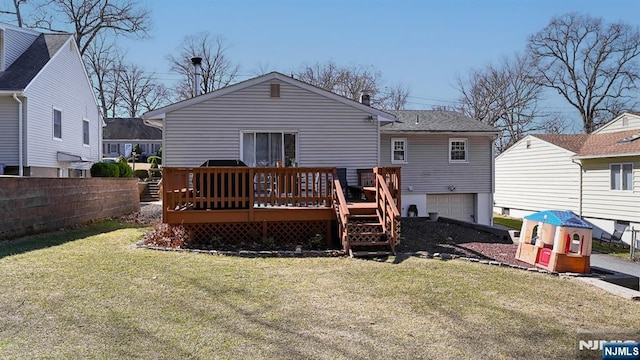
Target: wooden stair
x: 367, y: 228
x: 366, y: 234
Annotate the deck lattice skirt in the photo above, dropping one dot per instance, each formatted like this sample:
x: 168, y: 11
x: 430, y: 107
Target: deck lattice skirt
x: 281, y: 232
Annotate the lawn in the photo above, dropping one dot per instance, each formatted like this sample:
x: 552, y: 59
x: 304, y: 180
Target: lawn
x: 87, y: 293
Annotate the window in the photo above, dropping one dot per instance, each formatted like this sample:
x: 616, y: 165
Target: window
x: 458, y: 150
x: 621, y: 176
x: 113, y: 148
x: 269, y: 148
x: 398, y: 151
x: 57, y: 124
x: 575, y: 245
x: 85, y: 132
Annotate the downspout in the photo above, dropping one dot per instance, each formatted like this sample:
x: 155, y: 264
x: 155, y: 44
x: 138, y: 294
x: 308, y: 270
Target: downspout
x: 20, y: 164
x: 579, y: 188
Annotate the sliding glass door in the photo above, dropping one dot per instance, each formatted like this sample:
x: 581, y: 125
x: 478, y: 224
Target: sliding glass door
x: 269, y: 149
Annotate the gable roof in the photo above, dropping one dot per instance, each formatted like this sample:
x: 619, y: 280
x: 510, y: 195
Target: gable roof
x: 615, y: 120
x: 435, y: 121
x: 571, y: 142
x: 559, y: 218
x: 152, y: 117
x: 18, y: 76
x: 611, y: 145
x: 130, y: 128
x: 596, y: 145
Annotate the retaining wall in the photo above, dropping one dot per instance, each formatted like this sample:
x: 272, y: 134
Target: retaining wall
x: 31, y: 205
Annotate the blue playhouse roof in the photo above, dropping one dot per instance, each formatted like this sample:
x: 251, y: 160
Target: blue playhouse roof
x: 559, y: 218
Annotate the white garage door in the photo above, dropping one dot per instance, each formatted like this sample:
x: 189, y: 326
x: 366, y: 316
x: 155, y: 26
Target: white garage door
x: 454, y: 206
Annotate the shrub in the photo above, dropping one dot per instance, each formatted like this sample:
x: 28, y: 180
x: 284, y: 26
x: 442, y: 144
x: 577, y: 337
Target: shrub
x: 316, y: 241
x: 125, y: 170
x: 102, y: 169
x: 141, y: 174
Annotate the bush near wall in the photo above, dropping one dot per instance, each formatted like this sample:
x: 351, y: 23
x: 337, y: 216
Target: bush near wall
x: 32, y: 205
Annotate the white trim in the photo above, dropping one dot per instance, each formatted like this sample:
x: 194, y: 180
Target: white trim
x: 6, y: 26
x: 405, y: 150
x: 283, y: 132
x: 615, y: 120
x: 161, y: 113
x: 621, y: 176
x: 53, y: 122
x: 605, y: 156
x: 466, y: 150
x: 88, y: 132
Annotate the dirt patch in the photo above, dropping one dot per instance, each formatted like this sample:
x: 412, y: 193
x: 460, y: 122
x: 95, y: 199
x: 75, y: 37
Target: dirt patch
x: 418, y: 235
x: 422, y: 235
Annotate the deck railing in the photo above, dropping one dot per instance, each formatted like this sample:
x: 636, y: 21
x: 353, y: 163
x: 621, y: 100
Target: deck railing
x: 225, y: 188
x: 387, y: 210
x: 342, y: 213
x: 391, y: 176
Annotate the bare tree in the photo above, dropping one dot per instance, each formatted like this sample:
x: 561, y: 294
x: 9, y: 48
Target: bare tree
x: 506, y: 96
x: 15, y: 11
x: 140, y: 91
x: 347, y: 81
x: 104, y: 64
x: 590, y: 64
x: 397, y: 97
x: 90, y: 18
x: 217, y: 70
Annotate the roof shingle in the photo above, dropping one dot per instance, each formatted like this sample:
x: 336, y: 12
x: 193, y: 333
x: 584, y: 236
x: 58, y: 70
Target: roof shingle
x: 130, y: 129
x: 28, y: 65
x: 596, y: 145
x: 435, y: 121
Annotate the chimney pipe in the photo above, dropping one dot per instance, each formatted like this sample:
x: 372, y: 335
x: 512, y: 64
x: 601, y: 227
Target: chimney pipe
x: 365, y: 97
x: 196, y: 61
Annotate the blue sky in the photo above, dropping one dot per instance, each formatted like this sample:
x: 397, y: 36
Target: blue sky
x: 423, y: 44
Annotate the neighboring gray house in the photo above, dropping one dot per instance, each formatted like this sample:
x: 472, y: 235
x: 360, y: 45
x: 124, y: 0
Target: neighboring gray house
x: 51, y: 125
x: 448, y: 161
x: 120, y: 135
x: 596, y: 176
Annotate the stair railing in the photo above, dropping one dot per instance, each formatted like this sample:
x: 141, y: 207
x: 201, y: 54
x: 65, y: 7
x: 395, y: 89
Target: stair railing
x: 388, y: 213
x: 342, y: 212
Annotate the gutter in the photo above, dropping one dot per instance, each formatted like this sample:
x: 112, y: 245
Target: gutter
x: 579, y: 188
x: 20, y: 130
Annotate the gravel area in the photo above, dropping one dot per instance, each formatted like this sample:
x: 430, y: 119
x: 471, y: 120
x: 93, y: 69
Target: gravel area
x: 423, y: 235
x: 418, y: 235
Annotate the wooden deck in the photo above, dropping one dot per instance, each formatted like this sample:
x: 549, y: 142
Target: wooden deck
x: 254, y: 203
x: 241, y: 194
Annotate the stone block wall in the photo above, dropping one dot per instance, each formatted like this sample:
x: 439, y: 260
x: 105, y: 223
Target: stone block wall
x: 32, y: 205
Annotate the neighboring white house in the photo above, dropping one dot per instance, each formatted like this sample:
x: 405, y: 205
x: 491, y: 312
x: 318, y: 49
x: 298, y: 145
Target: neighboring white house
x: 51, y: 125
x: 596, y: 176
x: 274, y: 118
x: 120, y: 135
x: 446, y: 160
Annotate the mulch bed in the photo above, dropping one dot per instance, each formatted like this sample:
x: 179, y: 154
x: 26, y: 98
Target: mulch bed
x: 422, y: 235
x: 419, y: 235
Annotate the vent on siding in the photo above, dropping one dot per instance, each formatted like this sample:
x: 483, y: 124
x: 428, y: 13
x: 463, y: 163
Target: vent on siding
x: 528, y: 144
x: 275, y: 90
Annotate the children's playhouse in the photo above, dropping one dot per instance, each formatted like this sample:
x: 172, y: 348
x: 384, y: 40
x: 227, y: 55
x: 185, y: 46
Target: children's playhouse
x: 555, y: 240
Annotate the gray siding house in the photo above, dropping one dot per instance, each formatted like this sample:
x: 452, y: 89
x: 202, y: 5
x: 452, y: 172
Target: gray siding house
x: 120, y: 135
x: 51, y: 125
x: 447, y: 161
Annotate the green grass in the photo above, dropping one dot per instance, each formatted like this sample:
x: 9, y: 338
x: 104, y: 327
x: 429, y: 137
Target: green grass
x: 507, y: 221
x: 87, y: 293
